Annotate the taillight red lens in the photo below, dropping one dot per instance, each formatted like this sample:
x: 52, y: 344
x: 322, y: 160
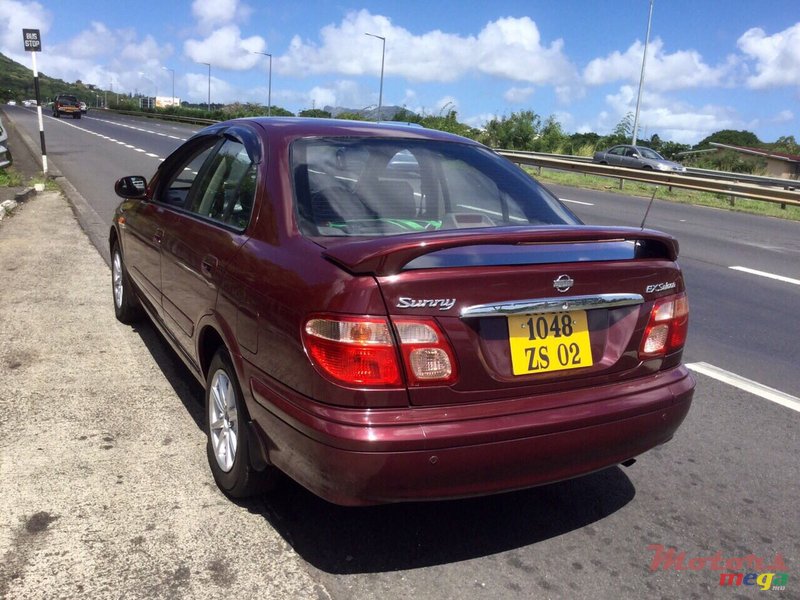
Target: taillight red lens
x: 667, y: 328
x: 361, y: 350
x: 353, y: 350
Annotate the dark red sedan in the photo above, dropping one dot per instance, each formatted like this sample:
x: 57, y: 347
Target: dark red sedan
x: 388, y: 313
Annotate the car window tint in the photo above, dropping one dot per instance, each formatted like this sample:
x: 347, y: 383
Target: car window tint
x: 619, y: 151
x: 176, y: 191
x: 366, y: 187
x: 227, y: 188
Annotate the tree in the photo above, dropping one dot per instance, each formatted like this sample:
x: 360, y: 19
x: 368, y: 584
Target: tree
x: 517, y: 132
x: 787, y: 144
x: 552, y: 137
x: 315, y: 112
x: 731, y: 137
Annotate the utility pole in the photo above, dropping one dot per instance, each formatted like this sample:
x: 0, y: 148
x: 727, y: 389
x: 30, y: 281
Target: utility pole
x: 641, y: 77
x: 383, y: 58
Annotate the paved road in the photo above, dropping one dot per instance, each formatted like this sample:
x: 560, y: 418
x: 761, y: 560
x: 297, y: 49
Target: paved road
x: 727, y: 483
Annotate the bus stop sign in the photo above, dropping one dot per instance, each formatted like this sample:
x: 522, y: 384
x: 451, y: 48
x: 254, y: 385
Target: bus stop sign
x: 32, y: 40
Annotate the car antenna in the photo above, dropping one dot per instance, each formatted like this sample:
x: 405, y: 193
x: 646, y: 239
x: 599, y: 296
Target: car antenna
x: 647, y: 212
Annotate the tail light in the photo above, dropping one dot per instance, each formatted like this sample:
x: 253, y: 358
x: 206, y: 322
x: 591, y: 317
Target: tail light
x: 362, y: 351
x: 667, y: 328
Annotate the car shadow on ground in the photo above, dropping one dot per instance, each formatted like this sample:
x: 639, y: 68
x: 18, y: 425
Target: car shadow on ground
x: 342, y: 540
x: 186, y: 387
x: 346, y: 540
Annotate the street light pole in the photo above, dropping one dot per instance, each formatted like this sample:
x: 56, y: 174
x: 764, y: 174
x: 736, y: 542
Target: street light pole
x: 269, y: 92
x: 209, y: 85
x: 173, y: 83
x: 383, y: 58
x: 641, y: 77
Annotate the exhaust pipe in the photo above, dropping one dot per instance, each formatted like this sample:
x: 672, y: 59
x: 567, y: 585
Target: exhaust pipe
x: 628, y: 463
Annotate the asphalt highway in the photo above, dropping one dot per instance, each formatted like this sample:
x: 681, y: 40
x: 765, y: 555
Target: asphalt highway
x: 728, y: 483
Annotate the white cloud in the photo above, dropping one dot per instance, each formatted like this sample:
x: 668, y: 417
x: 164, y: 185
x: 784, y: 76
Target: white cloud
x: 213, y: 13
x: 680, y: 70
x: 444, y: 105
x: 518, y: 95
x: 785, y: 116
x: 16, y: 16
x: 777, y: 56
x: 225, y: 48
x: 509, y: 48
x: 197, y: 86
x: 99, y: 40
x: 669, y: 118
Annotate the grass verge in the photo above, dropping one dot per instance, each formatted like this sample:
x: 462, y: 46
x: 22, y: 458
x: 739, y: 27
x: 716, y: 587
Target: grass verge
x: 683, y: 196
x: 10, y: 177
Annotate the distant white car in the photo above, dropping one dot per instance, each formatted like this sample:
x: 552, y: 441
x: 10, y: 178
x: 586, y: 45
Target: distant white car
x: 12, y: 102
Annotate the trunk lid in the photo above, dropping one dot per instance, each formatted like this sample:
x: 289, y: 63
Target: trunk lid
x: 568, y: 292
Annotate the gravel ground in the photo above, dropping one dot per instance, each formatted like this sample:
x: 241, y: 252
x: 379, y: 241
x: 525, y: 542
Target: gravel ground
x: 105, y: 487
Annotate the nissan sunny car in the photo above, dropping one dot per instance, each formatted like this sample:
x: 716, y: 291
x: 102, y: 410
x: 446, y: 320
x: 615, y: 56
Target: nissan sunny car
x: 388, y: 313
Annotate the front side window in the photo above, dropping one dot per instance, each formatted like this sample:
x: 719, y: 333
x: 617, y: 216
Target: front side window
x: 227, y: 188
x: 377, y: 186
x: 176, y: 190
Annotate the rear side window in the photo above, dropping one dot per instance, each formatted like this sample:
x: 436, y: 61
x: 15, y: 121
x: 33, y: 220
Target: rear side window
x: 378, y: 186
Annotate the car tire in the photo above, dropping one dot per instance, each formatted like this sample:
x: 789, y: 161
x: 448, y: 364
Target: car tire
x: 76, y: 115
x: 228, y: 431
x: 126, y: 305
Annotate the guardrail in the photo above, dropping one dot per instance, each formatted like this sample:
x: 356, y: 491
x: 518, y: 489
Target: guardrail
x: 164, y: 116
x: 680, y: 180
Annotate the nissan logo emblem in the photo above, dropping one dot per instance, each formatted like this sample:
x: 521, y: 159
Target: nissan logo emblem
x: 563, y: 283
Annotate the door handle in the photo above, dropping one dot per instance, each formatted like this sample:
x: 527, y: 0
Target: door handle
x: 208, y: 264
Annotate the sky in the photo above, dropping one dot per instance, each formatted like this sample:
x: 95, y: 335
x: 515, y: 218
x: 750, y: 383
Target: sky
x: 711, y: 64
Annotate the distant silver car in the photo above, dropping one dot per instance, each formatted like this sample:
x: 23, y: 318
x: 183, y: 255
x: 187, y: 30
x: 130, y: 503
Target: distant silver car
x: 636, y: 157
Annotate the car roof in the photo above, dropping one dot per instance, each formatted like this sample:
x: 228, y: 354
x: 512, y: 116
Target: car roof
x: 295, y: 127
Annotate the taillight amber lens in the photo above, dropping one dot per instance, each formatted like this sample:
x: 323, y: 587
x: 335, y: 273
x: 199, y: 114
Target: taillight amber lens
x: 667, y: 328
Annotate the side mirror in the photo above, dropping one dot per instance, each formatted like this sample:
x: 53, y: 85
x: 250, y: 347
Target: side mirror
x: 133, y: 187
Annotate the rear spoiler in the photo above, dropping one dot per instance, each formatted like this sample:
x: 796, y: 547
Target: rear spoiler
x: 388, y: 255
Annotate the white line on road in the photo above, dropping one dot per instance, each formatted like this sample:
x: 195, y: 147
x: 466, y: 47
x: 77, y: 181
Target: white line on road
x: 747, y: 385
x: 768, y: 275
x: 576, y: 202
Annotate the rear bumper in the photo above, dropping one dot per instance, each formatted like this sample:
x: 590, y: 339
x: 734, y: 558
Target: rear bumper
x: 359, y: 457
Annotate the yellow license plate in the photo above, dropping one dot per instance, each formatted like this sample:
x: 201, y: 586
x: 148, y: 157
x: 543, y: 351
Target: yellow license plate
x: 549, y: 342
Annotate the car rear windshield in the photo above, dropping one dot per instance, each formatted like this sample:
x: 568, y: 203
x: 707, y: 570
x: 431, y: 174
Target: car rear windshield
x: 379, y: 186
x: 71, y: 100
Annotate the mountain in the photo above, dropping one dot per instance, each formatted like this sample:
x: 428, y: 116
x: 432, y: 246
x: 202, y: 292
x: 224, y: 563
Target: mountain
x: 16, y: 83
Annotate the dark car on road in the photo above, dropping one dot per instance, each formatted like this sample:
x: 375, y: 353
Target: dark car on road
x: 636, y: 157
x: 390, y: 313
x: 66, y: 104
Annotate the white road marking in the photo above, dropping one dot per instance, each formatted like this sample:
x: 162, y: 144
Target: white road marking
x: 576, y: 202
x: 105, y: 137
x: 768, y: 275
x: 747, y: 385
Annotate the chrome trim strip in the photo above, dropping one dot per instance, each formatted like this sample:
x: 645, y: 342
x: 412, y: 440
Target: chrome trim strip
x: 549, y: 305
